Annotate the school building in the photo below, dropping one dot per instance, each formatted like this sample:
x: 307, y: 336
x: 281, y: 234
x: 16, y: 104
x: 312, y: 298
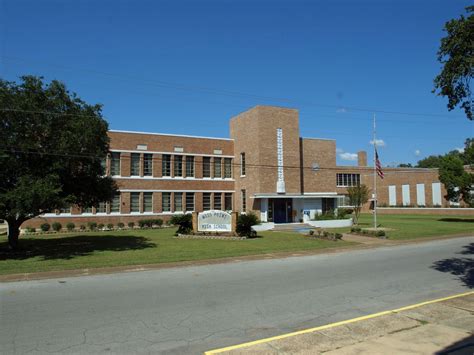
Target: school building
x: 265, y: 166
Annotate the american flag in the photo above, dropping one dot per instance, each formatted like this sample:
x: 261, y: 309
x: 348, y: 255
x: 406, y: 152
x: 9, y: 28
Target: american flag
x: 378, y: 166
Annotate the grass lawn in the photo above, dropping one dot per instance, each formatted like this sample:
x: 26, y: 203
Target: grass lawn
x: 412, y: 226
x: 100, y: 249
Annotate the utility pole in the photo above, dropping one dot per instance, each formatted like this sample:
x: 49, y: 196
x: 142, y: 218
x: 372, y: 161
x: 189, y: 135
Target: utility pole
x: 375, y: 179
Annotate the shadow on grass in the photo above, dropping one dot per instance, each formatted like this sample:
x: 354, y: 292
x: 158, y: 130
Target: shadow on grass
x: 72, y: 246
x: 462, y: 267
x: 453, y: 219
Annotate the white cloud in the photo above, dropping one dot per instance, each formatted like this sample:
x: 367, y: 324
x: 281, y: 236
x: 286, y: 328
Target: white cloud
x: 339, y: 150
x: 417, y: 152
x: 348, y: 156
x: 378, y: 142
x: 460, y: 150
x: 341, y: 110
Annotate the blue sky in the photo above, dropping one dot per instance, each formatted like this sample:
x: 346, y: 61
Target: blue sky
x: 152, y: 63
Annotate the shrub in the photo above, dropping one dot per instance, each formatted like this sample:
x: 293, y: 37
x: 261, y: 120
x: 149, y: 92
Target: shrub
x: 70, y: 226
x: 120, y: 225
x: 92, y: 226
x: 110, y: 226
x: 158, y: 222
x: 184, y: 223
x: 45, y: 227
x: 30, y: 229
x: 311, y: 232
x: 355, y: 229
x: 325, y: 234
x: 57, y: 226
x: 82, y: 227
x: 100, y: 226
x: 380, y: 233
x: 131, y: 225
x: 245, y: 223
x: 338, y: 236
x: 146, y: 223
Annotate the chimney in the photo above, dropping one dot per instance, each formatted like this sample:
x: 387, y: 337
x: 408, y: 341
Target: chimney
x: 362, y: 158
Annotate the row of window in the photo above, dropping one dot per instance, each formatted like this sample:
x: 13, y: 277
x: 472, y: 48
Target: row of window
x: 183, y: 166
x: 346, y: 180
x: 142, y: 202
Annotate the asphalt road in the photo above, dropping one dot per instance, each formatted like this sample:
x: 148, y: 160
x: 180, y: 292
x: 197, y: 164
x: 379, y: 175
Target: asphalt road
x: 193, y: 309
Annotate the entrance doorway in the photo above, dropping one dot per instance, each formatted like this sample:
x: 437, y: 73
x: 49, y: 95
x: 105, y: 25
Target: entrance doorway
x: 282, y: 210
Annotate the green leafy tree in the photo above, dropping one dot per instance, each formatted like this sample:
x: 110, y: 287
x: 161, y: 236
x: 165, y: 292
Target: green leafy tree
x: 457, y: 181
x: 456, y: 53
x: 52, y: 145
x: 358, y: 196
x: 456, y: 178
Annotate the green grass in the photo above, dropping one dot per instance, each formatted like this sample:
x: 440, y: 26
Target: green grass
x: 420, y: 226
x: 118, y: 248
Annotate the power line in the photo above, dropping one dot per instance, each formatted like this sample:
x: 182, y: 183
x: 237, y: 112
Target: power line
x: 199, y: 163
x: 338, y: 132
x: 232, y: 93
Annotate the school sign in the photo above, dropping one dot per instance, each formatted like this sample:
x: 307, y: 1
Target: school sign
x: 214, y: 221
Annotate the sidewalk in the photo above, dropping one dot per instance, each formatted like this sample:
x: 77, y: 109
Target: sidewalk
x: 436, y: 327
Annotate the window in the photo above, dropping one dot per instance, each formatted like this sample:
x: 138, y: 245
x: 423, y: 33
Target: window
x: 166, y: 165
x: 242, y: 164
x: 148, y: 202
x: 244, y: 200
x: 166, y: 201
x: 343, y: 180
x: 135, y: 164
x: 65, y: 210
x: 189, y: 166
x: 189, y: 201
x: 115, y: 204
x: 178, y: 165
x: 228, y: 201
x: 206, y: 167
x: 101, y: 208
x: 178, y: 201
x: 148, y: 164
x: 227, y: 168
x: 217, y: 167
x: 135, y: 202
x: 115, y: 164
x: 206, y: 201
x: 217, y: 201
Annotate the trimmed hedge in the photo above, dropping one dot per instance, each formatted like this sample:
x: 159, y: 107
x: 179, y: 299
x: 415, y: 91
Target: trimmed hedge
x: 57, y: 226
x: 150, y: 223
x: 45, y: 227
x: 70, y: 226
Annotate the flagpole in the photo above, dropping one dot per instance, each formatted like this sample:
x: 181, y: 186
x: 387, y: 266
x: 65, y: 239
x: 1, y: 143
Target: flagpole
x: 375, y: 178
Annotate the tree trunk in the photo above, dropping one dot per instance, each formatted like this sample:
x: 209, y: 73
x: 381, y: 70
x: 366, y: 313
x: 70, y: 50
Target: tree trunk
x: 13, y: 234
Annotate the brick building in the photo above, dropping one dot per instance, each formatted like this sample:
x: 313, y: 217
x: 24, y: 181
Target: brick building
x: 265, y: 166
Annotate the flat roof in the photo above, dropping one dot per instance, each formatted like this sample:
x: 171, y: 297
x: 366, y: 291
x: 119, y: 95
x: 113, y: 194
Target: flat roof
x: 169, y: 134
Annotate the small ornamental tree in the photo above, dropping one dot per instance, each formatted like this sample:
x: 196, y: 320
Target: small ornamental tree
x: 358, y: 196
x: 245, y: 223
x: 51, y: 147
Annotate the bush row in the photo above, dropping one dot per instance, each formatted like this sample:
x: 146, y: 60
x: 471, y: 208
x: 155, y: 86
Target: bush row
x: 56, y: 226
x: 378, y: 233
x: 319, y: 233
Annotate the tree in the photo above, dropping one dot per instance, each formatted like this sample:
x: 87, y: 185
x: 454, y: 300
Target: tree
x: 358, y: 196
x: 457, y: 181
x: 456, y: 53
x: 52, y: 146
x: 405, y: 165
